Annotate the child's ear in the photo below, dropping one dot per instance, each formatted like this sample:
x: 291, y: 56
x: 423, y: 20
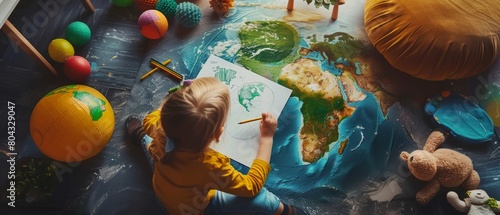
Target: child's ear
x: 218, y: 134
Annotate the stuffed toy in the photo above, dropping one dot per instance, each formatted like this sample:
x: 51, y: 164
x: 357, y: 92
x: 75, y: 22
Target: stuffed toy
x: 439, y: 167
x: 478, y: 203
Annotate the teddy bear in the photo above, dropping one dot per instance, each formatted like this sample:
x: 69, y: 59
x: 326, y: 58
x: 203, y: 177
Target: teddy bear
x: 478, y: 203
x: 439, y: 167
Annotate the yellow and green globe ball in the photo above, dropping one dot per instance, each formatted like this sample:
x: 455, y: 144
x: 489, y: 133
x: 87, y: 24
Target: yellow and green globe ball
x: 72, y: 123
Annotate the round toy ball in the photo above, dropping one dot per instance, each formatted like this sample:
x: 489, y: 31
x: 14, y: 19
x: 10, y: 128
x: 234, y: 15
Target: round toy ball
x: 492, y: 107
x: 77, y: 68
x: 188, y: 14
x: 60, y: 49
x: 167, y: 7
x: 123, y: 3
x: 143, y: 5
x: 78, y: 33
x: 72, y: 123
x: 153, y: 24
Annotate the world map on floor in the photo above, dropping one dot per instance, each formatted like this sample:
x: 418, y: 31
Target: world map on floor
x: 330, y: 122
x: 335, y: 137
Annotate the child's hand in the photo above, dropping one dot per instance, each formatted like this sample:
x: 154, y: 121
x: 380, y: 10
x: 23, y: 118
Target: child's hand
x: 268, y: 125
x: 267, y: 129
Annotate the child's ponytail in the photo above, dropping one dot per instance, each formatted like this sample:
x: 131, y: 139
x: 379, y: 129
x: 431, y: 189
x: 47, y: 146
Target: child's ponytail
x: 157, y: 147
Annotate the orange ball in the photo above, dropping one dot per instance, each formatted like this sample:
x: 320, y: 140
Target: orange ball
x: 153, y: 24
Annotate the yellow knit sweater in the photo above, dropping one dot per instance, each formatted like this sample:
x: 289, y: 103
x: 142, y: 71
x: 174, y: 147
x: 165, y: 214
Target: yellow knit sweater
x: 186, y: 184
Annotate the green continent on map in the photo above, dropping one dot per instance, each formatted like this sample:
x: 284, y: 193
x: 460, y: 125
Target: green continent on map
x: 248, y: 93
x: 225, y: 75
x: 323, y: 106
x: 267, y: 46
x: 337, y: 46
x: 63, y: 89
x: 96, y: 106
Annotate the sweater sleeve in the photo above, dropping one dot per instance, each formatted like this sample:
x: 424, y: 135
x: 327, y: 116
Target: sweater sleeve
x: 232, y: 181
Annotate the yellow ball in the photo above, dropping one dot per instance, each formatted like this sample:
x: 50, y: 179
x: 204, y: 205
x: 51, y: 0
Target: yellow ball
x: 60, y: 49
x: 72, y: 123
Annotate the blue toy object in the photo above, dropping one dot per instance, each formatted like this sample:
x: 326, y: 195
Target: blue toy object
x: 167, y: 7
x: 188, y: 14
x: 460, y: 116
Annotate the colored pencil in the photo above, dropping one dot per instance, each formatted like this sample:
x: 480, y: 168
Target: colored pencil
x: 250, y: 120
x: 166, y: 69
x: 154, y: 70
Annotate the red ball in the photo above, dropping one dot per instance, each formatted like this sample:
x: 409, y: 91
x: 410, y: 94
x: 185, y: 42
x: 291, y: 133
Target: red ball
x: 77, y: 68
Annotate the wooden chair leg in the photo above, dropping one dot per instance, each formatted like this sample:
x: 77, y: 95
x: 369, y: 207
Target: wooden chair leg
x: 26, y: 46
x: 289, y: 7
x: 88, y: 6
x: 335, y: 11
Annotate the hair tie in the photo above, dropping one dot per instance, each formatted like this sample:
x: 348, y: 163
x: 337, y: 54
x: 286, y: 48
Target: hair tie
x: 184, y: 83
x: 170, y: 145
x: 187, y: 82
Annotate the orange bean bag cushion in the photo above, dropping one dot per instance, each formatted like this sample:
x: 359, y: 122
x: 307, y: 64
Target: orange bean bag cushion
x: 435, y: 39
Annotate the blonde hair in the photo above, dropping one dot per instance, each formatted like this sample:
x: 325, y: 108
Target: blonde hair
x: 192, y: 116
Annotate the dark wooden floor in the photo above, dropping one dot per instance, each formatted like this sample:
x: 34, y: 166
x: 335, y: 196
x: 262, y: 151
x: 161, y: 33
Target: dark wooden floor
x: 116, y: 53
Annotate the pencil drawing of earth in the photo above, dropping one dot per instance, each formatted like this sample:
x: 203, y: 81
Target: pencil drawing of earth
x: 253, y: 99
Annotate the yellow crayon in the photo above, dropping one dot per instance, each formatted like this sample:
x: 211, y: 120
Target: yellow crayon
x: 250, y: 120
x: 166, y: 69
x: 154, y: 70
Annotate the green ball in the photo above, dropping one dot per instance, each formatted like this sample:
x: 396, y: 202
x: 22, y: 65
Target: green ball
x: 167, y: 7
x: 123, y: 3
x: 188, y: 14
x: 77, y: 33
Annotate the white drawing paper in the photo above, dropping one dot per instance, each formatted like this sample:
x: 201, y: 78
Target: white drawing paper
x: 251, y: 94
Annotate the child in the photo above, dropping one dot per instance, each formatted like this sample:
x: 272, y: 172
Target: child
x: 188, y: 176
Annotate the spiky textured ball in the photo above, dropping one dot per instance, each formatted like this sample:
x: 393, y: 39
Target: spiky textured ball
x: 188, y: 14
x: 143, y: 5
x: 167, y: 7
